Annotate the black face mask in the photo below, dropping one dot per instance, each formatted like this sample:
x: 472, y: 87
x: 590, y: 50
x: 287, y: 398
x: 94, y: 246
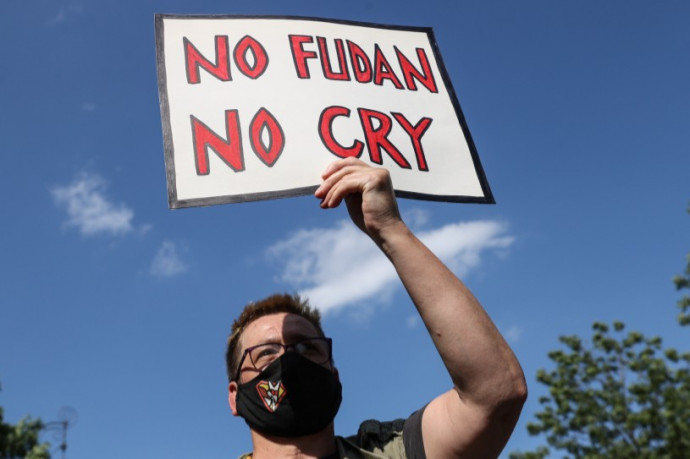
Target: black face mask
x: 292, y: 397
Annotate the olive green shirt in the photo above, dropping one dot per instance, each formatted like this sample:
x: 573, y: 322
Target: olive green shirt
x: 381, y: 440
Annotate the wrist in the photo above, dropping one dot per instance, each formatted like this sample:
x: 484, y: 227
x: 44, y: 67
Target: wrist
x: 392, y: 236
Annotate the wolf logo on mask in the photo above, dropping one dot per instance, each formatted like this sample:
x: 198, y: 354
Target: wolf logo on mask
x: 271, y: 393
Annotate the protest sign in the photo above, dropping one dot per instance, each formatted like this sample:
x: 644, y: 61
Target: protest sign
x: 256, y: 107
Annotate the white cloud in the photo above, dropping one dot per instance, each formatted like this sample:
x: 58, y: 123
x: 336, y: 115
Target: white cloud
x: 460, y: 244
x: 413, y: 321
x: 65, y: 13
x: 167, y: 262
x: 416, y: 218
x: 89, y: 210
x: 340, y: 266
x: 513, y: 333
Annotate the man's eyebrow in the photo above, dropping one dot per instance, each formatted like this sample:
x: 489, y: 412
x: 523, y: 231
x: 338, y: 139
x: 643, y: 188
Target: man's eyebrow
x: 299, y: 336
x: 289, y: 339
x: 269, y: 340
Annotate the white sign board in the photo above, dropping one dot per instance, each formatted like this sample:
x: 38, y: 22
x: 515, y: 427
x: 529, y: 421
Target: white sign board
x: 256, y: 107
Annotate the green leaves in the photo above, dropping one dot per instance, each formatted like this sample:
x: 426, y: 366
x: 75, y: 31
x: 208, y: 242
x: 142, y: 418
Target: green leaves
x: 683, y: 282
x: 21, y: 441
x: 617, y: 395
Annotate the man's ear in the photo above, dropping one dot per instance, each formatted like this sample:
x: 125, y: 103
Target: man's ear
x: 232, y: 397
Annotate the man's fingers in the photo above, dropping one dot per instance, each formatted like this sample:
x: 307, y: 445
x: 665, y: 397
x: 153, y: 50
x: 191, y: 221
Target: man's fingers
x: 355, y: 180
x: 336, y: 174
x: 347, y: 182
x: 340, y: 164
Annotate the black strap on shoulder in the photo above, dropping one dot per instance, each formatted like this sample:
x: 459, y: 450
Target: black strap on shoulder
x: 412, y: 436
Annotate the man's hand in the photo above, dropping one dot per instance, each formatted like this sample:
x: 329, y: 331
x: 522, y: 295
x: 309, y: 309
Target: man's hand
x: 368, y: 192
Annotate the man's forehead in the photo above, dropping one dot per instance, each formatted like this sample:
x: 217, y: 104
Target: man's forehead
x: 280, y: 326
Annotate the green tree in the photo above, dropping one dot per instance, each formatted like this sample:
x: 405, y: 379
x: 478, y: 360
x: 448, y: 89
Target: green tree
x: 619, y: 395
x: 682, y: 282
x: 21, y: 440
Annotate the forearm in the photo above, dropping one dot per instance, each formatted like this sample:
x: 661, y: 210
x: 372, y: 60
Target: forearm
x: 481, y: 364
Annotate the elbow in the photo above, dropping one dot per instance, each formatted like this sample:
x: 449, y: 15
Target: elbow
x: 513, y: 398
x: 519, y: 390
x: 519, y: 396
x: 501, y: 398
x: 515, y: 385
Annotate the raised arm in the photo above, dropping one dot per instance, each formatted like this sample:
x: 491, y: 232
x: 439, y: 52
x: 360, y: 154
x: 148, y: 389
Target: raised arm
x: 476, y: 417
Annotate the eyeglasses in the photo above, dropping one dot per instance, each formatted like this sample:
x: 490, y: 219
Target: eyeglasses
x: 319, y: 350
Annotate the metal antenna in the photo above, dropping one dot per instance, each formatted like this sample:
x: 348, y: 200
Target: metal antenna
x: 67, y: 417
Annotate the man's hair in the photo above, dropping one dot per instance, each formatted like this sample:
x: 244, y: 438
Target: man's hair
x: 292, y: 304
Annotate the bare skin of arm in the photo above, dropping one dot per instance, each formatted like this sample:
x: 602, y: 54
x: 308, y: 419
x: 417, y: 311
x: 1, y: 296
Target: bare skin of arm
x: 476, y: 417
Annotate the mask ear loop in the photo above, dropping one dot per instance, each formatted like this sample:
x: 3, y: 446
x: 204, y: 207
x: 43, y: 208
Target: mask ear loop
x: 330, y: 360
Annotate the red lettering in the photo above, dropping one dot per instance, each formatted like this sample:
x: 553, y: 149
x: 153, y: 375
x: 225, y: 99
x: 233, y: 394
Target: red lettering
x: 328, y: 72
x: 361, y: 65
x: 248, y: 44
x: 230, y: 150
x: 194, y: 59
x: 383, y: 70
x: 411, y: 73
x: 326, y: 133
x: 415, y: 132
x: 262, y: 122
x: 299, y: 55
x: 378, y: 138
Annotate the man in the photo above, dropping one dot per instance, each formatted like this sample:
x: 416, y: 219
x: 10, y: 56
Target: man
x: 284, y: 384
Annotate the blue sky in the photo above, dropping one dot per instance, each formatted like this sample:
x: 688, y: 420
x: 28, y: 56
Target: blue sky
x: 114, y: 305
